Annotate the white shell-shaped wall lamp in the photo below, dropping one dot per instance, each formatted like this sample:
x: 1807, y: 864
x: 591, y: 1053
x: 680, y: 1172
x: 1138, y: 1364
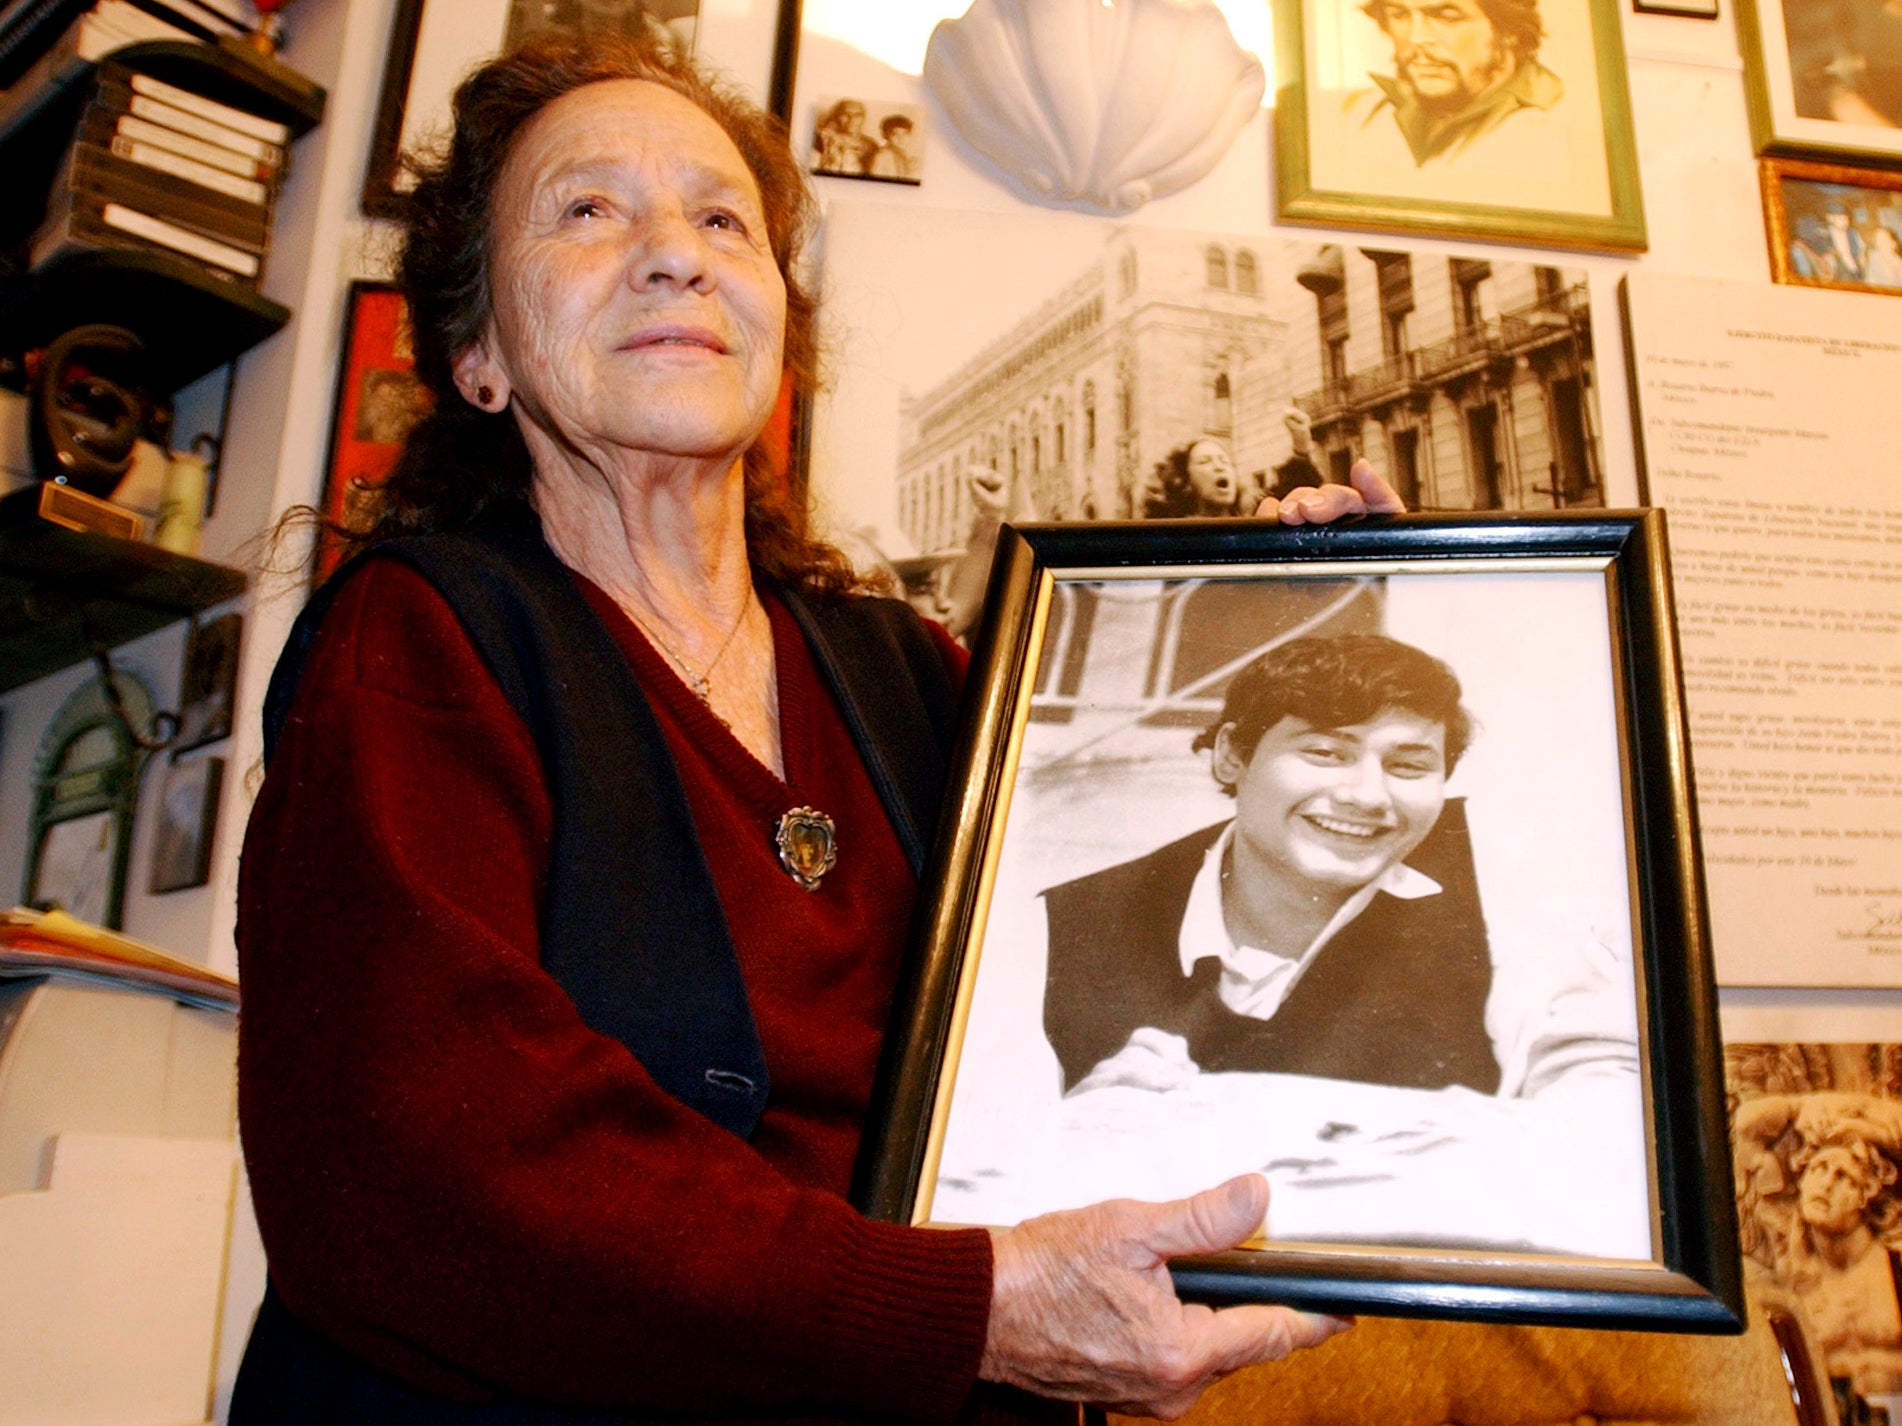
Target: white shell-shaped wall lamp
x: 1093, y: 104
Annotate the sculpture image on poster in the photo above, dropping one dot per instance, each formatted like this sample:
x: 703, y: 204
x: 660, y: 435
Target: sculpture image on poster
x: 1817, y: 1136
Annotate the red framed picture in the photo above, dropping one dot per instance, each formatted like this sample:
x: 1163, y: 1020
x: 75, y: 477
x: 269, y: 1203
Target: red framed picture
x: 378, y: 400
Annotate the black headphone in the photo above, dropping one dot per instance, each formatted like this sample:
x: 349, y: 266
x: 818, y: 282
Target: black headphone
x: 88, y: 407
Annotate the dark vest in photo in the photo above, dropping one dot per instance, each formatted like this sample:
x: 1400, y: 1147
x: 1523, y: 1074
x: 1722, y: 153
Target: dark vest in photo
x: 1398, y: 997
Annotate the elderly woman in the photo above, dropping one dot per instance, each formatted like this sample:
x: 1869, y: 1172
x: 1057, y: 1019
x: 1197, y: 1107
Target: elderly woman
x: 574, y: 898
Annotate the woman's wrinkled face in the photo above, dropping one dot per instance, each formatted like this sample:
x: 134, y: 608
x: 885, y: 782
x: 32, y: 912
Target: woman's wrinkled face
x: 635, y: 300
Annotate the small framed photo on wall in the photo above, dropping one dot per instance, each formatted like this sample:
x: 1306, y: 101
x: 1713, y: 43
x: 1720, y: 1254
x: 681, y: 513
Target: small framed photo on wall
x: 857, y: 138
x: 208, y: 685
x: 378, y: 399
x: 1683, y: 9
x: 1524, y: 136
x: 1831, y: 226
x: 187, y: 821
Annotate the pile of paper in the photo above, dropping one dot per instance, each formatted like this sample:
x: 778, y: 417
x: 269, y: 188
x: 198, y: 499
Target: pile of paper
x: 39, y: 943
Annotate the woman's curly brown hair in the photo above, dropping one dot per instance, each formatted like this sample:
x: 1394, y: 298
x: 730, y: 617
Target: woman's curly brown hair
x: 461, y: 466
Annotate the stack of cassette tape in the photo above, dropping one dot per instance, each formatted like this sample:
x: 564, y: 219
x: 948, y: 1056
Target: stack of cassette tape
x: 157, y: 165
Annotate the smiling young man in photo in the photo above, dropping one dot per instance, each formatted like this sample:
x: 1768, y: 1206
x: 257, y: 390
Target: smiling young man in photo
x: 1332, y: 927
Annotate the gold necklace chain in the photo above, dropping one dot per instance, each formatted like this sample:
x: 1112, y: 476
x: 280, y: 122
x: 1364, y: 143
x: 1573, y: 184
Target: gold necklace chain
x: 700, y: 683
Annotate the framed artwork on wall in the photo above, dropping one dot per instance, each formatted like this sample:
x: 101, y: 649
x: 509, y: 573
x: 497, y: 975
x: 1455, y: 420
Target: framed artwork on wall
x: 85, y: 796
x: 1823, y: 81
x: 434, y: 43
x: 187, y: 821
x: 1683, y: 9
x: 878, y: 141
x: 1482, y: 1073
x: 1831, y: 226
x: 378, y: 399
x: 1404, y: 117
x: 208, y: 683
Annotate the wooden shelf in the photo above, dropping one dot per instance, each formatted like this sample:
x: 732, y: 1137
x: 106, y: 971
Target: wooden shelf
x: 61, y: 589
x: 227, y: 72
x: 190, y: 320
x: 65, y: 592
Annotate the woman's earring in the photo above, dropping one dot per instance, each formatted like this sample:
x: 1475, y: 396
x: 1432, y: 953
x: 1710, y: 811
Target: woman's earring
x: 484, y: 395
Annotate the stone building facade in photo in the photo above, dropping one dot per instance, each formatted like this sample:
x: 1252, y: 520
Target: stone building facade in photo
x: 1469, y: 382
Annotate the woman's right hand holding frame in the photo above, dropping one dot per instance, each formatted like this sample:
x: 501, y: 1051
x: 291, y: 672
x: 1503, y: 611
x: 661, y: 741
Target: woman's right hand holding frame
x: 1083, y: 1308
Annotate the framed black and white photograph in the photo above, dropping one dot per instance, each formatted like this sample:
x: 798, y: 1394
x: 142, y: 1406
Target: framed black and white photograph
x: 435, y: 43
x: 1823, y: 78
x: 187, y: 821
x: 1503, y: 119
x: 858, y: 138
x: 1833, y: 226
x: 208, y: 686
x: 1362, y: 858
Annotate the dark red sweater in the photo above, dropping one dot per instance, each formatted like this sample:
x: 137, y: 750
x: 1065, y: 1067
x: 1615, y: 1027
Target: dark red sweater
x: 457, y: 1180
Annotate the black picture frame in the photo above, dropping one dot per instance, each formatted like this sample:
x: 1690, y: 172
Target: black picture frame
x: 187, y: 824
x: 382, y: 196
x: 1689, y: 1279
x: 208, y: 683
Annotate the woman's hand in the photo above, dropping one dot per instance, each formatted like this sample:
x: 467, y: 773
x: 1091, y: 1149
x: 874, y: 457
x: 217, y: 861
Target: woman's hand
x: 1366, y: 493
x: 1082, y: 1307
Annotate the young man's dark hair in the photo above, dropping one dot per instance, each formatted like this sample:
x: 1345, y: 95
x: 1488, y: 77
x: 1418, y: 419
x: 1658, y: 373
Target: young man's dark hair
x: 1334, y: 681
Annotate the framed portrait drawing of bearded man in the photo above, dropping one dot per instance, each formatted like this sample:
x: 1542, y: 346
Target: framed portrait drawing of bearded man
x: 1359, y: 857
x: 1505, y: 119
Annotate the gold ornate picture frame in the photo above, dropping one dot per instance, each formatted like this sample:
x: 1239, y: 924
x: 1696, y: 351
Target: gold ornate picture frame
x: 1832, y: 226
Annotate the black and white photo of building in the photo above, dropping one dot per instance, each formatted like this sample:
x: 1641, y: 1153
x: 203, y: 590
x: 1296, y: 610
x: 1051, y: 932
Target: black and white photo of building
x: 1469, y: 382
x: 1165, y: 339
